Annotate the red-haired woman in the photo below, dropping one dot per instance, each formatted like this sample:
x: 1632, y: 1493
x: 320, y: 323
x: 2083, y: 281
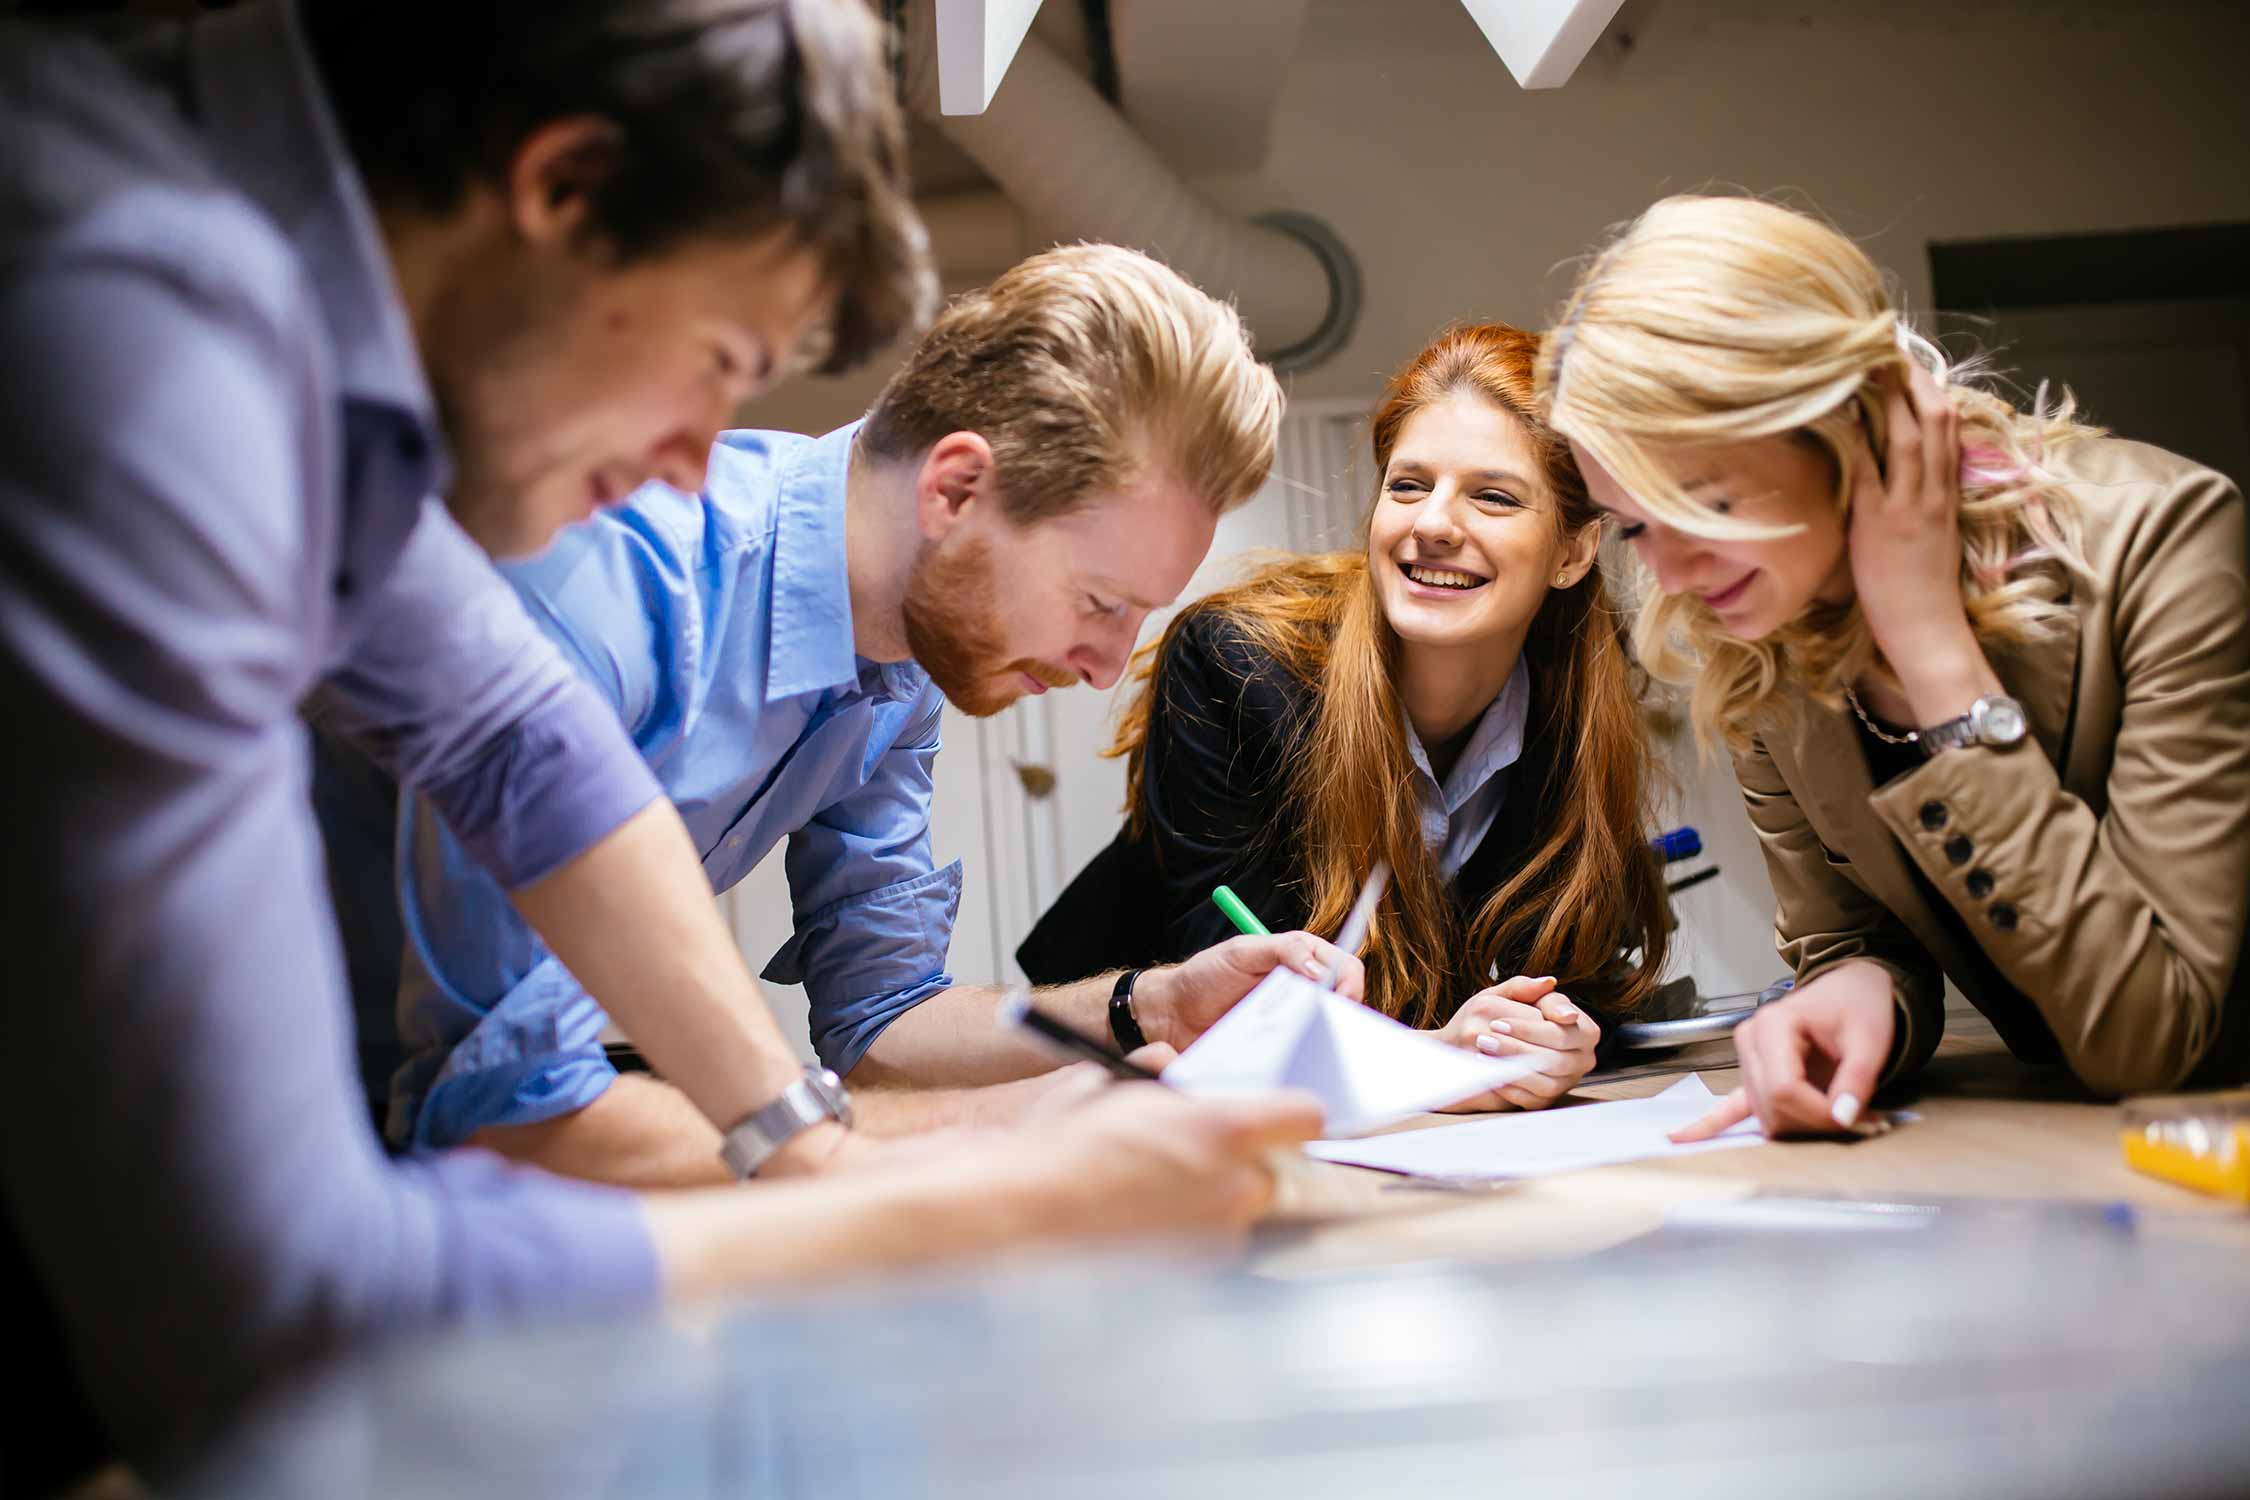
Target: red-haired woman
x: 1454, y: 699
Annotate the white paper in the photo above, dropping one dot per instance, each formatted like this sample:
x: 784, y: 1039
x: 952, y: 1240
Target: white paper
x: 1367, y: 1069
x: 1538, y: 1142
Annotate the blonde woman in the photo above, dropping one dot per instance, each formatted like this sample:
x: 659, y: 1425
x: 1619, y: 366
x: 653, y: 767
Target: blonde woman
x: 1985, y: 673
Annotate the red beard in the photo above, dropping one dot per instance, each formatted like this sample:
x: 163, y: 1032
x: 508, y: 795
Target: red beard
x: 953, y: 629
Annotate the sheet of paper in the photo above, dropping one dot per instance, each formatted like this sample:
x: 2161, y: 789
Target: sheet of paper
x: 1365, y: 1067
x: 1535, y: 1143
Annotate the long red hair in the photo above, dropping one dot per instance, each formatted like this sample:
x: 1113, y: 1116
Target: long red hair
x: 1588, y: 888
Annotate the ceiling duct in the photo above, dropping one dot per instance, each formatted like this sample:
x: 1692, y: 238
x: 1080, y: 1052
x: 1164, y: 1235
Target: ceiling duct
x: 1072, y: 168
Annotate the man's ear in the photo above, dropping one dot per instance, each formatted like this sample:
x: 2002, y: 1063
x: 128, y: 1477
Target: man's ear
x: 955, y: 475
x: 554, y: 175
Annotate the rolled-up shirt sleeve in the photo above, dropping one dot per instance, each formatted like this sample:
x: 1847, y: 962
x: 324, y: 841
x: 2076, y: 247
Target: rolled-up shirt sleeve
x: 874, y: 916
x: 184, y: 1150
x: 461, y: 698
x: 497, y: 1031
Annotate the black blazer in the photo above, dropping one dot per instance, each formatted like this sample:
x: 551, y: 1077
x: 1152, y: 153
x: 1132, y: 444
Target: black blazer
x: 1225, y: 721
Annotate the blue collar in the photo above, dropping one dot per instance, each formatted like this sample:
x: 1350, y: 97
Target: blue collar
x: 266, y: 123
x: 812, y: 590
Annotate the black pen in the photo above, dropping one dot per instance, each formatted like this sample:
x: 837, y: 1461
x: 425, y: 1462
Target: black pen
x: 1016, y: 1009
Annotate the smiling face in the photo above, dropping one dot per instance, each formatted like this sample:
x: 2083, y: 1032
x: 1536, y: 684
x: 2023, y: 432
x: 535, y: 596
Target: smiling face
x: 995, y: 611
x: 566, y: 383
x: 1754, y: 585
x: 1465, y: 540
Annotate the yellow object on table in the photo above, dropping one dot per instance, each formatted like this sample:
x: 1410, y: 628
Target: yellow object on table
x: 2202, y: 1144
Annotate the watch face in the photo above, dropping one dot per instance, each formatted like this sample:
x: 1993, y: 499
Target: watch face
x: 2000, y: 721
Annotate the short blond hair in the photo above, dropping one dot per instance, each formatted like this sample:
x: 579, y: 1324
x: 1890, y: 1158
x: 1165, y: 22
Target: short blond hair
x: 1713, y: 320
x: 1086, y: 367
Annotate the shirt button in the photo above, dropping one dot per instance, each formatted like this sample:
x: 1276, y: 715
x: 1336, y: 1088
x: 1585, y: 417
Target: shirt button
x: 2003, y: 916
x: 1958, y: 849
x: 1980, y: 884
x: 1933, y: 815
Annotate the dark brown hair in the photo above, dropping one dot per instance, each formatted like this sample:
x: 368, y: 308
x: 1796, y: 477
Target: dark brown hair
x: 732, y: 118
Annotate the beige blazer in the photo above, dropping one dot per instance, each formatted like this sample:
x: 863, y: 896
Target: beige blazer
x: 2104, y: 864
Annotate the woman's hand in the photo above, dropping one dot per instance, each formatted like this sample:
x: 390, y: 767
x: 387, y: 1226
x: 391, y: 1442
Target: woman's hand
x: 1810, y: 1062
x: 1906, y: 553
x: 1523, y: 1017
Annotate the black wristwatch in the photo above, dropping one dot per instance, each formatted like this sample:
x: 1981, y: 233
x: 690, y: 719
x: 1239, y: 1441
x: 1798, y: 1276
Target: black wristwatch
x: 1124, y: 1026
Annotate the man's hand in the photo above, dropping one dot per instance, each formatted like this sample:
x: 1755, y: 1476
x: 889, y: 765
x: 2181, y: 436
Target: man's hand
x: 1132, y: 1160
x: 1810, y: 1062
x: 1523, y: 1017
x: 1178, y: 1003
x: 1142, y: 1159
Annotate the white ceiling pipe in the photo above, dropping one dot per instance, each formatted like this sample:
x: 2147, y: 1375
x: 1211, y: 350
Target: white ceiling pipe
x: 1078, y: 171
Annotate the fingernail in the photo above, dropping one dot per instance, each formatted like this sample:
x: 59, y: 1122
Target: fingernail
x: 1502, y: 1026
x: 1489, y: 1044
x: 1845, y: 1111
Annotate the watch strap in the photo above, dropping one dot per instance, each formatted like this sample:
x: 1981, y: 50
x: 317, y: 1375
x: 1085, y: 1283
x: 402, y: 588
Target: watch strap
x: 1952, y: 734
x: 816, y: 1096
x: 1124, y: 1026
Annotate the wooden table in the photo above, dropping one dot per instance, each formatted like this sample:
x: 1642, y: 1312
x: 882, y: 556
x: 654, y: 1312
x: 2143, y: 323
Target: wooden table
x: 1988, y: 1127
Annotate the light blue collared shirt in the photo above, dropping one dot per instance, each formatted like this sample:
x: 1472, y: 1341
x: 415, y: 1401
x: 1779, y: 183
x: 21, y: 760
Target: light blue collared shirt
x: 1457, y: 815
x: 719, y: 627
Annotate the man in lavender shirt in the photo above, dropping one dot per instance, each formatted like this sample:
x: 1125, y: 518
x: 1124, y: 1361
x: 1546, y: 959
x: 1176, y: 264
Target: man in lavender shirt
x: 266, y: 282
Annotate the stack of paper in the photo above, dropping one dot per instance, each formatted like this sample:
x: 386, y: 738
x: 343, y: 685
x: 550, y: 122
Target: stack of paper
x: 1365, y: 1067
x: 1552, y: 1140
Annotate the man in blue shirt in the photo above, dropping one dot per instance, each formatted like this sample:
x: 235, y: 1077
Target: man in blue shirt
x: 254, y: 314
x: 1047, y: 466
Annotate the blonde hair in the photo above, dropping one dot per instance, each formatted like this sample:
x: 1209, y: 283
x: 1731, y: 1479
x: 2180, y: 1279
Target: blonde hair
x: 1722, y: 320
x: 1083, y: 367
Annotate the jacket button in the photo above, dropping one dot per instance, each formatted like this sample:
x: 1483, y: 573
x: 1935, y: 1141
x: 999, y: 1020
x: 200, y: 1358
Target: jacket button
x: 2003, y: 916
x: 1933, y: 815
x: 1980, y: 884
x: 1958, y: 849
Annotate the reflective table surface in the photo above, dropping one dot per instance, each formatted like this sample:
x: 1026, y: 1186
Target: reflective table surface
x: 2039, y: 1351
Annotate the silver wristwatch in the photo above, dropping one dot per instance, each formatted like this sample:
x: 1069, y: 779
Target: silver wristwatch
x: 1996, y: 721
x: 817, y: 1096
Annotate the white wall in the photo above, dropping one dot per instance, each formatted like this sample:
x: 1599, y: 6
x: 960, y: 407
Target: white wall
x: 1905, y: 120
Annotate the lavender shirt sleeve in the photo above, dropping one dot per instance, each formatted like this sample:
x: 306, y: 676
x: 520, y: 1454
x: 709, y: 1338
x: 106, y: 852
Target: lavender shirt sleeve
x: 460, y: 697
x: 183, y: 1147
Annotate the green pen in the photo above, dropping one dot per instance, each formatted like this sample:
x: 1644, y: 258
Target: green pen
x: 1228, y: 902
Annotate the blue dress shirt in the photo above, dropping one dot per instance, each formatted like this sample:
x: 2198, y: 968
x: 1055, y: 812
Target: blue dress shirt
x: 215, y: 446
x: 719, y: 628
